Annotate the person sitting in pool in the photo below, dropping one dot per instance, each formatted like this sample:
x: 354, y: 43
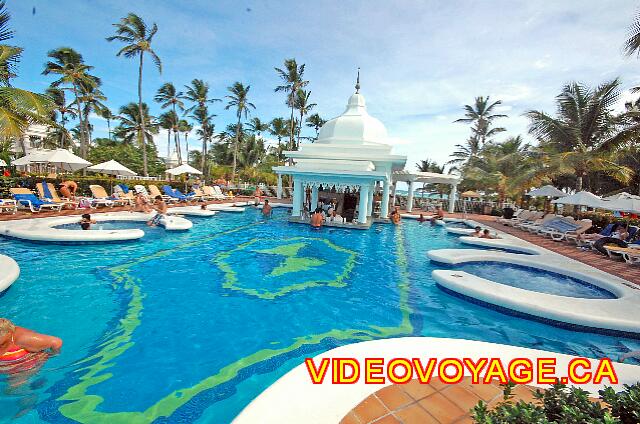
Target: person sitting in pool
x: 477, y: 232
x: 439, y: 213
x: 266, y: 209
x: 333, y: 217
x: 317, y: 218
x: 161, y: 209
x: 421, y: 218
x: 86, y: 221
x: 14, y: 339
x: 486, y: 234
x: 395, y: 215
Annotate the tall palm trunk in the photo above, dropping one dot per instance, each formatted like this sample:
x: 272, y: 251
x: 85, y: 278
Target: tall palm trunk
x: 83, y: 151
x: 204, y: 148
x: 168, y: 144
x: 145, y: 169
x: 291, y: 128
x: 177, y: 137
x: 186, y: 140
x: 109, y: 127
x: 176, y: 140
x: 235, y: 151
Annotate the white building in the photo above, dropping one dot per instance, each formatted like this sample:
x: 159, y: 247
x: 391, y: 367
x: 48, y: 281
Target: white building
x: 31, y: 139
x: 352, y: 160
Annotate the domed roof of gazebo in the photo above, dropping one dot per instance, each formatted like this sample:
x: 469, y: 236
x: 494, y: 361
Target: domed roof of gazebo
x: 354, y: 127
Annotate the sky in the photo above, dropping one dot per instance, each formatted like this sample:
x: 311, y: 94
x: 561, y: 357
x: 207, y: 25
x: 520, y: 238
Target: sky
x: 421, y: 61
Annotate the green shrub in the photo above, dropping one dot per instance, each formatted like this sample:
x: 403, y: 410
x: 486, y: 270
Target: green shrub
x: 563, y: 406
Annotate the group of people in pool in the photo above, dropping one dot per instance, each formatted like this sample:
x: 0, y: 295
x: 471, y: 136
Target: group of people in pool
x: 141, y: 205
x: 325, y: 213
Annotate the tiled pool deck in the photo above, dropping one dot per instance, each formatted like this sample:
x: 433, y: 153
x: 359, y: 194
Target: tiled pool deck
x: 434, y: 403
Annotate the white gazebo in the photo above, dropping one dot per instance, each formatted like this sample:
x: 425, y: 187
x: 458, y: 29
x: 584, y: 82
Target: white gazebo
x: 350, y: 156
x: 411, y: 178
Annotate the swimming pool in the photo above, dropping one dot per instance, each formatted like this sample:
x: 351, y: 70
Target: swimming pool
x: 537, y: 280
x: 191, y: 326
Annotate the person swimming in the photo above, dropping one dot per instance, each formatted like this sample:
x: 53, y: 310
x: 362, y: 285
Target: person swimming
x: 17, y: 343
x: 395, y: 216
x: 477, y: 232
x: 486, y: 234
x: 86, y: 221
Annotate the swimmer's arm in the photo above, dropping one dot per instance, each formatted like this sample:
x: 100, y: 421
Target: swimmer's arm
x: 36, y: 342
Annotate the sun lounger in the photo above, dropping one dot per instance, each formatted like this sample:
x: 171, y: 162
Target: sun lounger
x: 560, y: 235
x: 528, y: 219
x: 629, y: 254
x: 122, y: 192
x: 218, y: 191
x: 558, y: 227
x: 538, y: 223
x: 25, y: 198
x: 100, y: 197
x: 8, y: 205
x: 209, y: 191
x: 154, y: 192
x: 584, y: 239
x: 199, y: 193
x: 51, y: 195
x: 175, y: 193
x: 516, y: 215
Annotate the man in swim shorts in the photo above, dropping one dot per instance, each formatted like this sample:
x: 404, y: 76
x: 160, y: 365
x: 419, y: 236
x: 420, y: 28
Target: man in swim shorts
x: 14, y: 339
x: 317, y: 219
x: 266, y: 209
x: 161, y: 208
x: 86, y: 221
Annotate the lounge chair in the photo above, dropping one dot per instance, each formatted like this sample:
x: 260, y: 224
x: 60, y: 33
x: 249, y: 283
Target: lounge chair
x: 176, y: 194
x: 584, y: 239
x: 559, y: 226
x: 516, y: 214
x: 583, y: 225
x: 209, y: 191
x: 8, y: 205
x: 629, y: 254
x: 25, y: 198
x: 218, y: 191
x: 523, y: 217
x: 199, y: 193
x: 538, y: 223
x: 51, y: 195
x: 154, y: 192
x: 122, y: 192
x: 100, y: 197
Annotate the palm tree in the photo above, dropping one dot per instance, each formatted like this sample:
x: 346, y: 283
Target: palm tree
x: 198, y: 94
x: 169, y: 121
x: 481, y: 115
x: 238, y: 100
x: 92, y: 100
x: 580, y: 134
x: 185, y: 127
x: 132, y: 128
x: 200, y: 114
x: 256, y: 126
x: 279, y: 128
x: 74, y: 76
x: 465, y: 153
x: 58, y: 96
x: 106, y: 113
x: 168, y: 96
x: 316, y: 122
x: 301, y: 102
x: 292, y: 76
x: 133, y: 31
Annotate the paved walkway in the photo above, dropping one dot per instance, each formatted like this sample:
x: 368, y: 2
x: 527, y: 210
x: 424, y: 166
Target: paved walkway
x: 434, y: 403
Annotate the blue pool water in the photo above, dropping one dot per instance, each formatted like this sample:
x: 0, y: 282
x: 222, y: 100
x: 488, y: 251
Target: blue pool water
x: 105, y: 225
x: 535, y: 280
x: 191, y: 326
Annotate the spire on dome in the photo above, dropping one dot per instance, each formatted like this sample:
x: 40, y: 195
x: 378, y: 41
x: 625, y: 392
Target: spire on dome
x: 358, y: 82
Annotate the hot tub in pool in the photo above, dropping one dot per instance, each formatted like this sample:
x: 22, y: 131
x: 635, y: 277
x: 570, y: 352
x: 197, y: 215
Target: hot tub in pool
x: 536, y: 280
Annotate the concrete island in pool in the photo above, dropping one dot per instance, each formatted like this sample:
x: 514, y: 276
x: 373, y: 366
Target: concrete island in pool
x: 293, y: 399
x: 618, y: 315
x: 10, y: 272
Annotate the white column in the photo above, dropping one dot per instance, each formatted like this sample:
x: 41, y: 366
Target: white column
x: 452, y: 197
x: 298, y: 198
x: 370, y: 201
x: 279, y: 190
x: 393, y: 201
x: 384, y: 207
x: 410, y: 197
x: 314, y: 198
x: 362, y: 208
